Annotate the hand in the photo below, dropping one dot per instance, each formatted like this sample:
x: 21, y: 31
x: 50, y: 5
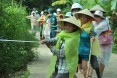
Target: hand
x: 48, y: 45
x: 57, y: 31
x: 92, y: 39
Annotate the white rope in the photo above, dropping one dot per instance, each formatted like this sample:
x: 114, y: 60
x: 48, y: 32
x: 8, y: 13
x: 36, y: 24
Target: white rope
x: 5, y: 40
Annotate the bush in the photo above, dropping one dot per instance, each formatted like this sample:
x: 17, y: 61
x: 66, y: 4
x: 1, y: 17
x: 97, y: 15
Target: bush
x: 13, y: 24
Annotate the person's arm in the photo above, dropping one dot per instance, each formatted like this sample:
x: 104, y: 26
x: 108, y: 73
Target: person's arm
x: 28, y: 17
x: 101, y: 28
x: 49, y: 41
x: 58, y: 52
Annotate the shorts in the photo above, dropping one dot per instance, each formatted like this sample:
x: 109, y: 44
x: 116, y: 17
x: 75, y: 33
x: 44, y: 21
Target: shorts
x: 82, y: 57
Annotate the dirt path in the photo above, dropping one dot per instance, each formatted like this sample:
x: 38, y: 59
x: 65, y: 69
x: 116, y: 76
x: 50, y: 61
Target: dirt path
x: 39, y: 67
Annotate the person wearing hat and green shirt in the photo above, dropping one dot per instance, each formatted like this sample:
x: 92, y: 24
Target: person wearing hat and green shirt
x: 85, y: 19
x: 65, y: 49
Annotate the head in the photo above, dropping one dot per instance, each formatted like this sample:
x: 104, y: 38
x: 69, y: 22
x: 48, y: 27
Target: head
x: 50, y: 11
x: 95, y: 8
x: 42, y: 13
x: 69, y: 24
x: 45, y: 12
x: 76, y: 7
x: 33, y: 13
x: 98, y: 16
x: 34, y: 9
x: 36, y: 12
x: 67, y: 15
x: 69, y: 27
x: 60, y: 16
x: 58, y: 11
x: 85, y: 16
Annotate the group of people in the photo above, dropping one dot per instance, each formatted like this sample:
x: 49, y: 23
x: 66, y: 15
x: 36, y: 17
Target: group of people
x: 46, y: 21
x: 80, y: 41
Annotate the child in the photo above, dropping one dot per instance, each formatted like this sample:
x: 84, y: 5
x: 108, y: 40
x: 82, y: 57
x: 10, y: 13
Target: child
x: 65, y: 54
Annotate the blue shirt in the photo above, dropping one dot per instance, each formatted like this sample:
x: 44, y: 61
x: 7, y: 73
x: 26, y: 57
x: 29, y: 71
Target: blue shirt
x: 84, y: 47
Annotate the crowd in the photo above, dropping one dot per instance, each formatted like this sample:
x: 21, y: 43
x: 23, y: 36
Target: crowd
x: 80, y: 40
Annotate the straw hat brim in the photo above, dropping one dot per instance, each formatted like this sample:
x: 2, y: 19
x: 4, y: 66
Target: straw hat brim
x: 71, y: 20
x: 97, y: 7
x: 99, y: 16
x: 85, y: 12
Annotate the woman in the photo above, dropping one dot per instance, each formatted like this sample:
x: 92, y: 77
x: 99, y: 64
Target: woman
x: 102, y: 29
x: 65, y: 59
x: 84, y: 18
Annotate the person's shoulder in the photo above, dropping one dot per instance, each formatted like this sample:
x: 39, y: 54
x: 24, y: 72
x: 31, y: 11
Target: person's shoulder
x: 104, y: 21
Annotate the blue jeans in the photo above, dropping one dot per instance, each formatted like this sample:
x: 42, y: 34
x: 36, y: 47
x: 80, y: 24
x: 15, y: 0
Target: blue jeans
x: 52, y: 32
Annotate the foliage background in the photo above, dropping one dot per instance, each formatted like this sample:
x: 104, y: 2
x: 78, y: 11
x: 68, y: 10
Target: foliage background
x: 14, y: 26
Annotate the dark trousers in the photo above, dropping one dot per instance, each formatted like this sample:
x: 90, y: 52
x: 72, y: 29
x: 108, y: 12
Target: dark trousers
x: 41, y: 32
x: 95, y: 65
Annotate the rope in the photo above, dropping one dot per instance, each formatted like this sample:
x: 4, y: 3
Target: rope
x: 5, y: 40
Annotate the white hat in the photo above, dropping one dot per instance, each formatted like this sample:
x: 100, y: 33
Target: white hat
x: 33, y: 12
x: 68, y: 14
x: 99, y: 13
x: 76, y: 5
x: 55, y: 14
x: 42, y: 12
x: 58, y: 9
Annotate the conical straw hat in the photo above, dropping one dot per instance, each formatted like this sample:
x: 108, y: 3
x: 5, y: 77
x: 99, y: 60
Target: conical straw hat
x: 99, y: 13
x: 97, y: 7
x: 71, y: 20
x: 85, y: 12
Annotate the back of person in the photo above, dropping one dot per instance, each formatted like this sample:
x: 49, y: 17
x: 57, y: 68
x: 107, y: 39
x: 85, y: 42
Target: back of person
x: 53, y: 20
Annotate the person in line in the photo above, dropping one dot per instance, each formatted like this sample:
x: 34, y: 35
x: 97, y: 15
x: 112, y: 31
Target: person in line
x: 94, y: 59
x: 47, y: 28
x: 33, y: 20
x: 85, y: 19
x: 76, y: 7
x: 65, y: 58
x: 53, y: 21
x: 102, y: 28
x: 41, y: 21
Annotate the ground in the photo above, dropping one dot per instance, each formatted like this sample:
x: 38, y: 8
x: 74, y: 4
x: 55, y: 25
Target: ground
x: 39, y: 67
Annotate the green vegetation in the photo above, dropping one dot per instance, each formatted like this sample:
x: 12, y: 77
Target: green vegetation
x: 14, y: 26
